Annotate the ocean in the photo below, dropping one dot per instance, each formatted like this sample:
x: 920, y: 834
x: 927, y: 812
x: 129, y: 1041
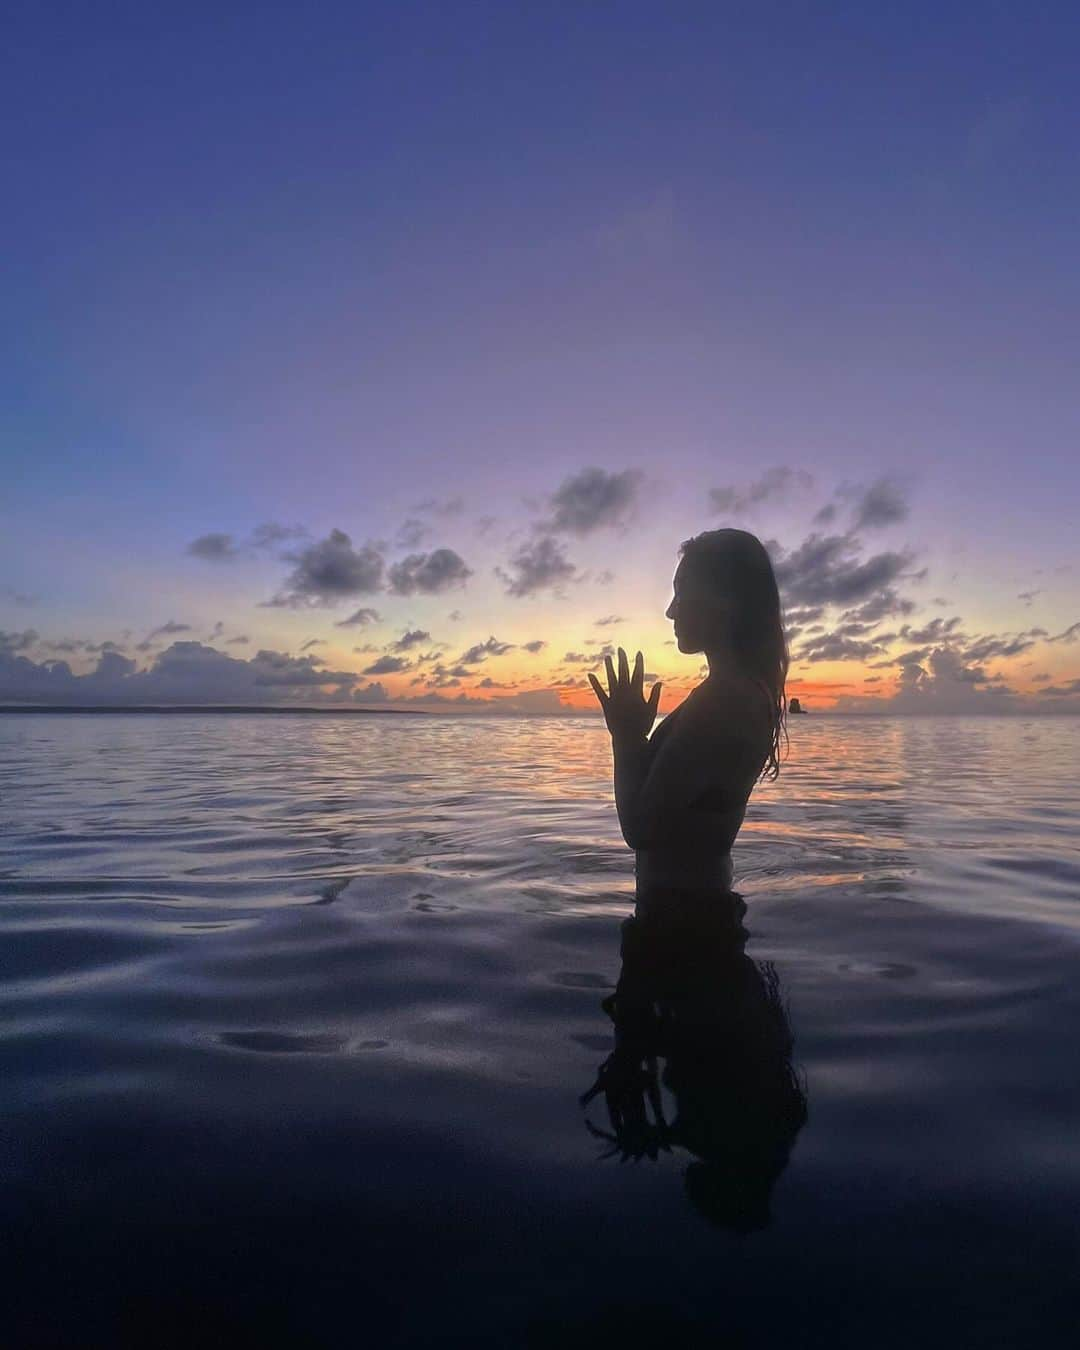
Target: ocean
x: 298, y: 1013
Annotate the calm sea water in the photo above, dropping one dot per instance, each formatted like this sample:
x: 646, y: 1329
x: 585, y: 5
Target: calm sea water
x: 296, y: 1014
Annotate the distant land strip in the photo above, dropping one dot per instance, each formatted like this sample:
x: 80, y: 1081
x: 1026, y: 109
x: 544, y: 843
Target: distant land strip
x: 203, y: 708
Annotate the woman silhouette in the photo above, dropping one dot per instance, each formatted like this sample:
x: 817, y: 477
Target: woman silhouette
x: 687, y: 991
x: 681, y: 794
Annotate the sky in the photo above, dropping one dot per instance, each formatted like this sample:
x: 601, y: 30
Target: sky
x: 384, y: 354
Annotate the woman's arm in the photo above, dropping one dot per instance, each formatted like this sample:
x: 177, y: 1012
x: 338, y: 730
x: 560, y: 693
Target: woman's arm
x: 629, y: 715
x: 631, y: 753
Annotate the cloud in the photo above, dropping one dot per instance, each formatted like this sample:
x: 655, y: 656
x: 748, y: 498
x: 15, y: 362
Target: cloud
x: 881, y: 504
x: 941, y: 665
x: 945, y: 635
x: 17, y: 642
x: 836, y: 647
x: 942, y: 683
x: 592, y: 499
x: 275, y: 668
x: 482, y: 650
x: 536, y: 645
x: 184, y: 673
x: 328, y: 572
x: 1070, y: 634
x: 214, y: 548
x: 239, y: 641
x: 775, y: 485
x: 188, y: 673
x: 985, y: 648
x: 934, y: 631
x: 111, y: 666
x: 1061, y: 690
x: 218, y: 547
x: 536, y: 566
x: 439, y: 676
x: 388, y: 665
x: 911, y: 657
x: 947, y: 674
x: 359, y: 619
x: 373, y: 692
x: 412, y: 532
x: 591, y: 659
x: 312, y: 642
x: 412, y: 638
x: 1028, y: 596
x: 886, y: 603
x: 824, y: 570
x: 804, y: 614
x: 609, y: 619
x: 272, y: 535
x: 428, y: 573
x: 168, y: 630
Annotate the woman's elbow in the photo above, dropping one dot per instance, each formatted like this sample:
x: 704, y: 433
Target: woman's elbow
x: 640, y: 835
x: 633, y: 834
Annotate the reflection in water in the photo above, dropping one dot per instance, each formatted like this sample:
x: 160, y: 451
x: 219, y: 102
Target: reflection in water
x: 688, y: 994
x: 183, y: 1148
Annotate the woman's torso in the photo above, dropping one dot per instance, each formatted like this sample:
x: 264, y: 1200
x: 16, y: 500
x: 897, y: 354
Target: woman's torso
x: 700, y: 854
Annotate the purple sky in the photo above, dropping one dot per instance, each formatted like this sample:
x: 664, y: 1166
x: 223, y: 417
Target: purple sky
x: 463, y: 317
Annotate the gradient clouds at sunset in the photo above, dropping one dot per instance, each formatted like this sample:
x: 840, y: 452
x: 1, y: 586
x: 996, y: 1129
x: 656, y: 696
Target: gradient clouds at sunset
x: 385, y: 354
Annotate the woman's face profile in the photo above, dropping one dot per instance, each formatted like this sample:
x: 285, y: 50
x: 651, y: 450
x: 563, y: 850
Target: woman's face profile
x: 695, y: 613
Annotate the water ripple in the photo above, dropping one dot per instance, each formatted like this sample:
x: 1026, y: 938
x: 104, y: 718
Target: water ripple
x: 273, y: 971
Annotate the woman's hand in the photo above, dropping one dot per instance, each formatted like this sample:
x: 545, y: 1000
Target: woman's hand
x: 626, y: 710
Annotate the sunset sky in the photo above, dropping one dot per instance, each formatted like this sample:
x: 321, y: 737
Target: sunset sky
x: 385, y: 353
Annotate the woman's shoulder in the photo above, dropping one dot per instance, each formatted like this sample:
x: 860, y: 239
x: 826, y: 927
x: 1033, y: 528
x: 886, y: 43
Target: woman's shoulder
x: 739, y: 704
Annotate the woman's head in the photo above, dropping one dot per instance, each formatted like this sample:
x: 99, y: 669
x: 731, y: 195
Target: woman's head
x: 727, y: 601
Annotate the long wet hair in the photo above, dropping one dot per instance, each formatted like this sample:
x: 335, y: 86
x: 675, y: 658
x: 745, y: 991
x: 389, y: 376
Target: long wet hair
x: 737, y: 564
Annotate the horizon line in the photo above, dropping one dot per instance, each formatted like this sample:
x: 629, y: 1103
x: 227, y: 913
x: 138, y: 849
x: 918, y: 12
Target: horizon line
x: 337, y: 710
